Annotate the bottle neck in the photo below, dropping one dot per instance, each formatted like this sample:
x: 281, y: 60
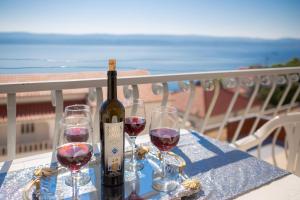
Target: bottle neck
x: 111, y: 85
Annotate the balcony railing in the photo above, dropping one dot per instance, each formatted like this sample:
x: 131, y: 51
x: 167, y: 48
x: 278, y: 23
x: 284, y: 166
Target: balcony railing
x: 251, y: 79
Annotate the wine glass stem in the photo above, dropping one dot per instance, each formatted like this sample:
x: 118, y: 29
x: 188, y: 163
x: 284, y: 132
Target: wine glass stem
x: 163, y: 156
x: 74, y: 186
x: 133, y: 159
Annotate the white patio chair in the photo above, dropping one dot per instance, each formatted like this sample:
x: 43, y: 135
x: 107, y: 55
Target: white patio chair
x: 291, y: 124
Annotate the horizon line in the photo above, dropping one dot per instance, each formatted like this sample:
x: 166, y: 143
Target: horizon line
x: 150, y: 34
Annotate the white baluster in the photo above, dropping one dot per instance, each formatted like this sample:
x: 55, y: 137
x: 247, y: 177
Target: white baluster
x: 127, y: 92
x: 96, y: 122
x: 211, y: 105
x: 135, y: 91
x: 131, y: 92
x: 266, y: 103
x: 165, y: 94
x: 135, y: 95
x: 190, y: 102
x: 285, y: 93
x: 250, y: 102
x: 229, y: 109
x: 161, y: 88
x: 57, y: 102
x: 11, y: 129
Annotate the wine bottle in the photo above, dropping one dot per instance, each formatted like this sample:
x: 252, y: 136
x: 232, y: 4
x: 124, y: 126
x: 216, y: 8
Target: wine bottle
x: 113, y: 193
x: 112, y: 115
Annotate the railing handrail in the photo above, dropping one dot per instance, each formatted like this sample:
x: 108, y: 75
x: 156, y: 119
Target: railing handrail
x: 101, y: 82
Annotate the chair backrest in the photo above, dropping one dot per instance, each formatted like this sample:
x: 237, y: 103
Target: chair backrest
x: 291, y: 123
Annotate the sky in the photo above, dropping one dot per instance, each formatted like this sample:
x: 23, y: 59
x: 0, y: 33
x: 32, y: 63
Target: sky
x: 270, y: 19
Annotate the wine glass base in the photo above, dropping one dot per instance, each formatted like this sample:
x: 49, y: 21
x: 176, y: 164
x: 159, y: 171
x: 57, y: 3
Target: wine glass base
x: 83, y: 179
x: 164, y: 185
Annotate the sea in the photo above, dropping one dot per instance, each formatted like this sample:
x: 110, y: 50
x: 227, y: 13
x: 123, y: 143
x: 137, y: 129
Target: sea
x: 19, y: 57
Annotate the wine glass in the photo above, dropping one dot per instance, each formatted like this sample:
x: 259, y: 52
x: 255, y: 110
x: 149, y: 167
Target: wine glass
x: 76, y: 128
x: 74, y: 155
x: 164, y: 134
x: 135, y: 122
x: 79, y: 110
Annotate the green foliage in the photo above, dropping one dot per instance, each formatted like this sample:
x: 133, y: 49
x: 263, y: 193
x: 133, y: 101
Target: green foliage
x: 263, y: 92
x: 295, y: 62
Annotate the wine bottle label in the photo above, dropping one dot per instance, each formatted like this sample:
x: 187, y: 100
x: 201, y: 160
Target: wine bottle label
x: 113, y: 137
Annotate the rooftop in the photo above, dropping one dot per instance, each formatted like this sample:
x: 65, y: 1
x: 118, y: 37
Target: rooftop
x: 203, y: 99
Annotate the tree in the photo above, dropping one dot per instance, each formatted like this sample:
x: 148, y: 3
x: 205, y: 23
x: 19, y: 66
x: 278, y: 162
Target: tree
x: 263, y: 92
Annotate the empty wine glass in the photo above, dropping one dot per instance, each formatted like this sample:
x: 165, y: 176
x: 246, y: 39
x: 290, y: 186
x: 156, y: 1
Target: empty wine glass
x: 74, y: 155
x: 135, y: 122
x: 164, y: 134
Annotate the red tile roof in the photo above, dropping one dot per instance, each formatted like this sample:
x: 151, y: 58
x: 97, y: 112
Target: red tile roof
x: 36, y: 108
x: 203, y: 98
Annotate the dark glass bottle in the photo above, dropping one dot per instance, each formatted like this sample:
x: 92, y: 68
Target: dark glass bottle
x: 112, y: 115
x: 113, y: 193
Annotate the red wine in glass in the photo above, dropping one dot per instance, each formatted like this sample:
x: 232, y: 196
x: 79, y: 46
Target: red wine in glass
x: 134, y: 125
x: 76, y: 134
x: 164, y: 138
x: 74, y: 155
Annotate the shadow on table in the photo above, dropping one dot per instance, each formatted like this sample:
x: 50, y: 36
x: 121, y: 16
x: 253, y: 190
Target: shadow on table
x: 3, y: 171
x: 220, y: 159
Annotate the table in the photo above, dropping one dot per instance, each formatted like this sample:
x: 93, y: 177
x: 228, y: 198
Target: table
x: 287, y: 187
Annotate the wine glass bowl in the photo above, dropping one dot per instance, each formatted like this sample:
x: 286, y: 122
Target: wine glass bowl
x: 134, y: 125
x: 164, y: 138
x: 74, y: 155
x: 164, y: 134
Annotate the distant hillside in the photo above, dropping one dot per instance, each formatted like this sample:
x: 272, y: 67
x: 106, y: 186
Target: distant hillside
x: 105, y: 39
